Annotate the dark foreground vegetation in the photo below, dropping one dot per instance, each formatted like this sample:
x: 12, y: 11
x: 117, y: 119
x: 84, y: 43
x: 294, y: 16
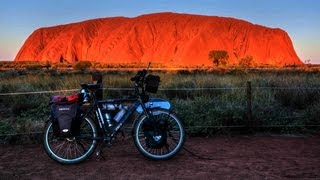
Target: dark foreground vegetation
x: 286, y: 100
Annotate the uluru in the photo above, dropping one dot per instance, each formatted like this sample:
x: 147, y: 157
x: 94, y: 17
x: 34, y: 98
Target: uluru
x: 164, y: 38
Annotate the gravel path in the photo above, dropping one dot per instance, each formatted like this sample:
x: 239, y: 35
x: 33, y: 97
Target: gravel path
x: 240, y: 157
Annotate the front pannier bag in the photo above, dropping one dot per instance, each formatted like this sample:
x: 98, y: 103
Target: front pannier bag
x: 155, y: 131
x: 152, y: 83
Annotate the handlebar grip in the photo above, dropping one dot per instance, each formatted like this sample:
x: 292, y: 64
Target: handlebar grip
x: 140, y: 76
x: 145, y: 72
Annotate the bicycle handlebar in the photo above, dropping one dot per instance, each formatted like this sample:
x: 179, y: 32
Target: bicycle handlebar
x: 139, y: 78
x: 88, y: 90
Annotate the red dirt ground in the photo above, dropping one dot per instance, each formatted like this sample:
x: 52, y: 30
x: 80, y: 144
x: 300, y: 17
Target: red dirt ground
x: 241, y: 157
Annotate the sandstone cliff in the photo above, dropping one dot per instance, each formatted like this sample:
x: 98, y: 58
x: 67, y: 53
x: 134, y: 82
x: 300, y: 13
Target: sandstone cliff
x: 167, y: 38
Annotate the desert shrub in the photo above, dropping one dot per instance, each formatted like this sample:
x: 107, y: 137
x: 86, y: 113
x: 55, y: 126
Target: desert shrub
x: 23, y: 103
x: 6, y: 128
x: 97, y: 65
x: 267, y: 110
x: 82, y: 65
x: 312, y: 115
x: 47, y: 65
x: 206, y: 114
x: 237, y: 72
x: 9, y: 74
x: 246, y: 62
x: 219, y: 57
x: 33, y: 67
x: 297, y: 98
x: 8, y: 65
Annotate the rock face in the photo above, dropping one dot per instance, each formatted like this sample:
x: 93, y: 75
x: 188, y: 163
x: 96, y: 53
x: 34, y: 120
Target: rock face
x: 166, y: 38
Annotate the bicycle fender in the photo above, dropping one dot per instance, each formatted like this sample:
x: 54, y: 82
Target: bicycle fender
x: 155, y: 103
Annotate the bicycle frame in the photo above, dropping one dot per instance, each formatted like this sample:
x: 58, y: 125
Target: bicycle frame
x: 140, y: 104
x: 137, y: 106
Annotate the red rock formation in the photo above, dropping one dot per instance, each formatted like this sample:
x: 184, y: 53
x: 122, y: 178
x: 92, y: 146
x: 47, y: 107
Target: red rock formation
x: 167, y: 38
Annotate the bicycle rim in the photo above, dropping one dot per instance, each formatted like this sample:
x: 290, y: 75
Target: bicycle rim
x: 174, y: 137
x: 70, y: 150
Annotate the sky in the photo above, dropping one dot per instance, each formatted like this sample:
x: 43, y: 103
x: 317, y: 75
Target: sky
x: 300, y: 18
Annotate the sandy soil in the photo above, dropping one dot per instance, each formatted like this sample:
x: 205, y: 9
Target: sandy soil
x: 240, y: 157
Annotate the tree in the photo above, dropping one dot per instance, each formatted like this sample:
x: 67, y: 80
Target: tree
x: 219, y: 57
x: 246, y: 62
x: 307, y: 61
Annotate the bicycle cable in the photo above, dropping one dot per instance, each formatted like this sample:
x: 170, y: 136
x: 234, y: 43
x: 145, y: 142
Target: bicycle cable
x: 192, y: 153
x: 197, y: 155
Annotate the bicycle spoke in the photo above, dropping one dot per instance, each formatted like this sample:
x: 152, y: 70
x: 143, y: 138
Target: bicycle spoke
x: 81, y: 145
x: 60, y: 147
x: 71, y: 148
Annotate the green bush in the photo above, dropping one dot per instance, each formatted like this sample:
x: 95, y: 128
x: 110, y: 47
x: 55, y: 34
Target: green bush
x: 6, y: 128
x: 205, y: 115
x: 297, y: 98
x: 312, y: 114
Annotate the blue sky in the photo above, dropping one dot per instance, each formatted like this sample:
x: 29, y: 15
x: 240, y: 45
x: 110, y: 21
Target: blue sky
x: 301, y: 19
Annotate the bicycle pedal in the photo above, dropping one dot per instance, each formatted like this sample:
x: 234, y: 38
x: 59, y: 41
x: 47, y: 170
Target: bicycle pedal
x: 99, y: 155
x: 107, y: 142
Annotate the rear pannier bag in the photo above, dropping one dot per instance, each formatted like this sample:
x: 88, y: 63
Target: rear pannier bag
x: 74, y: 98
x: 66, y: 121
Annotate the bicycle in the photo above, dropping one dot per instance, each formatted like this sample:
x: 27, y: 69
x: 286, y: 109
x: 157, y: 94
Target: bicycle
x: 157, y: 132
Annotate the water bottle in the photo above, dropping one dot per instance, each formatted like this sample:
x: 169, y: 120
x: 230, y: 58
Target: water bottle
x: 121, y: 113
x: 105, y: 114
x: 108, y: 107
x: 108, y: 118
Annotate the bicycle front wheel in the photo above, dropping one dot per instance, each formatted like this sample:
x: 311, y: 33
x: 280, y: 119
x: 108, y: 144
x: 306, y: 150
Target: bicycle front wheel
x: 71, y: 150
x: 159, y: 137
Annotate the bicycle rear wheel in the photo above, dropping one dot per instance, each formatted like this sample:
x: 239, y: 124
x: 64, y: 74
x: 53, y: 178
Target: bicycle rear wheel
x: 71, y: 150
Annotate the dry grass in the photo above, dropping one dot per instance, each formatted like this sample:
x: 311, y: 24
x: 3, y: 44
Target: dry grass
x: 296, y: 104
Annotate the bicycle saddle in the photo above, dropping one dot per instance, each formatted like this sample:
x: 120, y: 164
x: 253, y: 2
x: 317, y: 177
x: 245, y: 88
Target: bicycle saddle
x: 90, y: 86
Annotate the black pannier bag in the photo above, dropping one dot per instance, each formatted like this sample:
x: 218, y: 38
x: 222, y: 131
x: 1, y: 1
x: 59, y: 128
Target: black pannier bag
x: 155, y: 131
x: 66, y: 119
x: 152, y: 83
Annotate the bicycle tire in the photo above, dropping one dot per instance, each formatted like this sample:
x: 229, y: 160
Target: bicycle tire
x: 159, y: 153
x: 53, y: 145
